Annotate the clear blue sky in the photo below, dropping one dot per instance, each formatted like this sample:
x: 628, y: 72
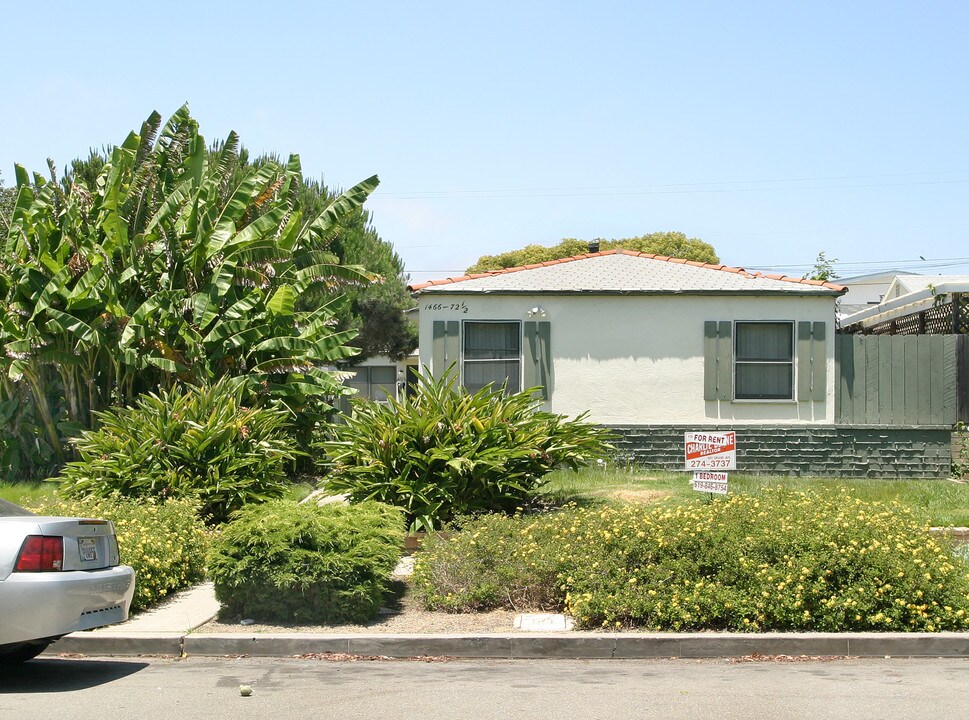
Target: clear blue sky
x: 772, y: 130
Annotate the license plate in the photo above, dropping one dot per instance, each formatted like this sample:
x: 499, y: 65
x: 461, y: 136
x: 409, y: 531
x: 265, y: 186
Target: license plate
x: 88, y: 548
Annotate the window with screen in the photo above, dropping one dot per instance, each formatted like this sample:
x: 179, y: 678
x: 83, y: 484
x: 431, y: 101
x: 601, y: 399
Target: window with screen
x: 492, y: 355
x: 764, y: 361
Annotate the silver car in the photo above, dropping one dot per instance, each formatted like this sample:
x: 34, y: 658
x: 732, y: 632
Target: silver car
x: 57, y: 575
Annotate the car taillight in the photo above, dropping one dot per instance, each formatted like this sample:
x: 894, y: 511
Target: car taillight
x: 41, y: 553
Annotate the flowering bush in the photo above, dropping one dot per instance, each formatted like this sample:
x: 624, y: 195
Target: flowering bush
x: 779, y: 561
x: 165, y: 542
x: 494, y: 561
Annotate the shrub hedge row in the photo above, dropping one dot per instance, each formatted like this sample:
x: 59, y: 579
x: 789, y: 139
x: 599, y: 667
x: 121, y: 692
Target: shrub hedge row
x: 782, y: 560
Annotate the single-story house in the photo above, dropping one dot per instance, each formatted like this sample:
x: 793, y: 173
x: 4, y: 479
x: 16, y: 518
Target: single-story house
x: 652, y: 347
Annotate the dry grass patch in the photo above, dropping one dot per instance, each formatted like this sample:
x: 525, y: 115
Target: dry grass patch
x: 640, y: 497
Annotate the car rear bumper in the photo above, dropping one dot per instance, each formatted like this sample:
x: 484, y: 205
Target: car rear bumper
x: 35, y: 606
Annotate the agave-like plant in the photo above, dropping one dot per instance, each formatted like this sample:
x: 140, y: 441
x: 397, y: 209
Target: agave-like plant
x: 170, y: 268
x: 445, y: 451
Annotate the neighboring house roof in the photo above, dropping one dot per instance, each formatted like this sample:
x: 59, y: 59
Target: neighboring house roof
x: 909, y: 295
x: 627, y: 272
x: 864, y: 291
x: 916, y: 283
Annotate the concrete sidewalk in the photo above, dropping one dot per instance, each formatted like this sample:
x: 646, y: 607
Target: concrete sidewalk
x: 169, y: 630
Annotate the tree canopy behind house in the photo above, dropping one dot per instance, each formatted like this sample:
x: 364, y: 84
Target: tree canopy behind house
x: 670, y: 243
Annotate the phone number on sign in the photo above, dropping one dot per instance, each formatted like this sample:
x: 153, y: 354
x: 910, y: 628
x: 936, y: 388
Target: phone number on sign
x: 707, y: 463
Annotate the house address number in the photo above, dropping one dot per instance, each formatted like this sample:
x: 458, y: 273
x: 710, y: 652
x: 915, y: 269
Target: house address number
x: 457, y: 307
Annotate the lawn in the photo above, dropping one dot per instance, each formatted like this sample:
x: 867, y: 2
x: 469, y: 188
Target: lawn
x: 26, y: 492
x: 940, y: 502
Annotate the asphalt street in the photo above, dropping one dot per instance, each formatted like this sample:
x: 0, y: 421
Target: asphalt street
x: 283, y: 688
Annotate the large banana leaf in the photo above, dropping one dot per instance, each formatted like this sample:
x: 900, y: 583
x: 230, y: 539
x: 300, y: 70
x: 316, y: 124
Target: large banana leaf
x: 346, y: 203
x: 174, y: 266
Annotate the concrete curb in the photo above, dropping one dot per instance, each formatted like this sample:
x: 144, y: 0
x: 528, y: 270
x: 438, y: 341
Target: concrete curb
x: 129, y: 643
x: 533, y: 645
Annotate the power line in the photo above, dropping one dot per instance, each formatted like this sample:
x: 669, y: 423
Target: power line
x: 921, y: 267
x: 667, y: 189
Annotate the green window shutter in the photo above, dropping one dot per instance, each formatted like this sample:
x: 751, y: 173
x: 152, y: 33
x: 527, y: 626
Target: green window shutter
x: 811, y: 362
x: 717, y: 360
x: 452, y: 346
x: 710, y: 360
x: 439, y: 334
x: 725, y: 360
x: 537, y: 359
x: 445, y: 346
x: 804, y: 374
x: 819, y: 358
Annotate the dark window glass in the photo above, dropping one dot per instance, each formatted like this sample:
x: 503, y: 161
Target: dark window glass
x: 764, y: 361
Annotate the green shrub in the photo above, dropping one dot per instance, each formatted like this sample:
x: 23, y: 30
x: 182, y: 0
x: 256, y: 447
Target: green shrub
x: 445, y: 452
x: 493, y: 562
x: 286, y: 562
x: 199, y: 443
x: 165, y: 542
x: 778, y: 561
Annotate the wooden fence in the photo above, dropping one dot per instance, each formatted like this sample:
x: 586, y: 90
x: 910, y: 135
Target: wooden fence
x: 906, y: 380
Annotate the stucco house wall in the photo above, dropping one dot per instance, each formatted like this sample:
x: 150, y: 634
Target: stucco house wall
x: 639, y: 359
x: 649, y: 346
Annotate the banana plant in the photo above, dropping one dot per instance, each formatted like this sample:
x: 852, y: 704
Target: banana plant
x: 170, y: 269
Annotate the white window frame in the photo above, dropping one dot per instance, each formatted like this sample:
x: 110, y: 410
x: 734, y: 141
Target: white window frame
x: 521, y: 348
x: 792, y: 362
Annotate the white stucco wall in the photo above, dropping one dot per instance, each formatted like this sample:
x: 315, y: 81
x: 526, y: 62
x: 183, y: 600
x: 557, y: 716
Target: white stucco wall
x: 639, y: 359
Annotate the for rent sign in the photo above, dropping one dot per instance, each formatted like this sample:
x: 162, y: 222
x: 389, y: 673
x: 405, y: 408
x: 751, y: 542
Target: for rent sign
x: 711, y: 450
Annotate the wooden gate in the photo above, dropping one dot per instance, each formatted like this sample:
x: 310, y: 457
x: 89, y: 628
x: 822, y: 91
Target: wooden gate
x: 906, y: 380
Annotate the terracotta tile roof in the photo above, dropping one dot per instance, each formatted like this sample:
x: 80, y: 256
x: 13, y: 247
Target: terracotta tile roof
x: 665, y: 279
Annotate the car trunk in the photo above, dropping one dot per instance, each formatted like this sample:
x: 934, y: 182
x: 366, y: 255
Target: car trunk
x: 88, y: 544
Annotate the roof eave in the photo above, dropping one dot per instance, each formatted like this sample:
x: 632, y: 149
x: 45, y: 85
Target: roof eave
x: 451, y: 290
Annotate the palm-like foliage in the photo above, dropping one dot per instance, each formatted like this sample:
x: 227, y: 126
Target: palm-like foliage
x: 445, y: 451
x: 169, y: 268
